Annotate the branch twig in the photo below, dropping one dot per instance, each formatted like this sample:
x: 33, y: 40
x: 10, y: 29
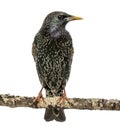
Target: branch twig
x: 72, y: 103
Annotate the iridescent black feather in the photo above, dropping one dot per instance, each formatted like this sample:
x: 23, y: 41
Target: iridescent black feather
x: 53, y: 52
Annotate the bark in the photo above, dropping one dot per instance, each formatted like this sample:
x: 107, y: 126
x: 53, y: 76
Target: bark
x: 72, y: 103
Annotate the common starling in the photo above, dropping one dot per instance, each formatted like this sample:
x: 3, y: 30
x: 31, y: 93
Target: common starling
x: 53, y: 52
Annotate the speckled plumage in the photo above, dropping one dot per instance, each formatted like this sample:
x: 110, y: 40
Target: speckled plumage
x: 53, y: 52
x: 53, y: 61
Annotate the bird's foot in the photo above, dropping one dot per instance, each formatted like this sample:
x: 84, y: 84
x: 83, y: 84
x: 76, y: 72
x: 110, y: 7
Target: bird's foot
x: 62, y: 99
x: 39, y: 98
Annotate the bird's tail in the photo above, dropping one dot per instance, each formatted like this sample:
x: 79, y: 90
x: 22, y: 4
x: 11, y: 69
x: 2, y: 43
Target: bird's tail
x: 54, y: 113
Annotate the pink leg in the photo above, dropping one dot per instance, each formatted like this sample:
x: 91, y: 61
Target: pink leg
x: 63, y: 98
x: 40, y: 96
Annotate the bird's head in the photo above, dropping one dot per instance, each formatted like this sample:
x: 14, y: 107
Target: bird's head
x: 57, y: 20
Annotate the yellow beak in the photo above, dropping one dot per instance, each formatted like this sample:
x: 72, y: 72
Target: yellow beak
x: 74, y: 18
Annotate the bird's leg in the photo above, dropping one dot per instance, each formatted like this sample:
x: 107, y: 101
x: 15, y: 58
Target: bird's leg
x: 63, y: 98
x: 40, y: 96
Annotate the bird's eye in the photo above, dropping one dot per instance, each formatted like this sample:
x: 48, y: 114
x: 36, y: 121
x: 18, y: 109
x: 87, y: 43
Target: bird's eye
x: 61, y: 17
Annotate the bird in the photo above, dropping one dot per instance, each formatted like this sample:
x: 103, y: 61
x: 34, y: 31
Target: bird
x: 52, y: 50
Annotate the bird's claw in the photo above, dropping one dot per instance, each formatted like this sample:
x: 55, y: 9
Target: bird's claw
x: 62, y: 100
x: 38, y: 99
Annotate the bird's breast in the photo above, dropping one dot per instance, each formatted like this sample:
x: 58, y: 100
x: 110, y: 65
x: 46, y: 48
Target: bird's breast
x: 53, y: 54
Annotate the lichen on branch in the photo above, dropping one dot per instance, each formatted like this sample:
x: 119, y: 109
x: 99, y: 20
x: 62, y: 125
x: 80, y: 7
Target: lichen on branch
x: 72, y: 103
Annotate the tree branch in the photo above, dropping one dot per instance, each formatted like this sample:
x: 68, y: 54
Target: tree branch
x: 72, y: 103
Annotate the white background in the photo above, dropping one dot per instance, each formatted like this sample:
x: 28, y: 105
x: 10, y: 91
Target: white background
x: 96, y: 65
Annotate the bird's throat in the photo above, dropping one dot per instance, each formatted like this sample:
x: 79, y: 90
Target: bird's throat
x: 56, y: 31
x: 55, y: 34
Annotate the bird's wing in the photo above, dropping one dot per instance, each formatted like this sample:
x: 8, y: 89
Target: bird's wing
x: 34, y: 51
x: 68, y: 65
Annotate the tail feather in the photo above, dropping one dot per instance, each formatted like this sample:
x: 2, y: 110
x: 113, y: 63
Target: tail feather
x: 54, y: 113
